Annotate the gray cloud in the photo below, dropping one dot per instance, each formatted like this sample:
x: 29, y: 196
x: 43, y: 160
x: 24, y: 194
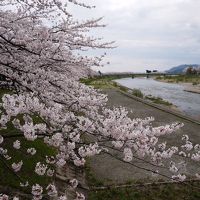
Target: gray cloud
x: 154, y: 34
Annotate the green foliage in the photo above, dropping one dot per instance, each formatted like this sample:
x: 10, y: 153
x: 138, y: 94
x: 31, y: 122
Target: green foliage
x: 159, y: 77
x: 90, y: 177
x: 153, y: 192
x: 98, y: 82
x: 122, y: 88
x: 7, y: 177
x: 137, y: 93
x: 105, y: 82
x: 4, y: 91
x: 158, y: 100
x: 191, y: 71
x: 114, y: 84
x: 192, y: 78
x: 194, y: 83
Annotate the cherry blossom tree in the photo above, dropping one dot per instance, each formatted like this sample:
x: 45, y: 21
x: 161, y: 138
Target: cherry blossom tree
x: 42, y: 59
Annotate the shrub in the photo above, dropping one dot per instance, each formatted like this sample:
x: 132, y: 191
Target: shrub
x: 137, y: 93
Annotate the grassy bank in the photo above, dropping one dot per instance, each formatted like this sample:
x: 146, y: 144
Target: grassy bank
x: 174, y: 191
x: 137, y: 190
x: 158, y: 100
x: 106, y: 82
x: 153, y: 192
x: 9, y: 179
x: 194, y: 79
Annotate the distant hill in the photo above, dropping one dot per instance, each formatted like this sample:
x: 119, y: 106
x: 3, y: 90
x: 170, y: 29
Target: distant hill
x: 181, y: 69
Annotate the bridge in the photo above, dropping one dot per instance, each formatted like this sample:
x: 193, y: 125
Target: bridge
x: 133, y: 75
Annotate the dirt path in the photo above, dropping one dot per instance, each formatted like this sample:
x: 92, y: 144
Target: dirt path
x: 109, y: 170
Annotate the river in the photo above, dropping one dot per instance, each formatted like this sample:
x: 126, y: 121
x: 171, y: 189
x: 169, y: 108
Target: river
x: 187, y: 102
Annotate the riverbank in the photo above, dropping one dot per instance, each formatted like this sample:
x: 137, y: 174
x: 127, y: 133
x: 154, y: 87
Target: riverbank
x: 111, y: 179
x: 109, y: 83
x: 190, y: 83
x: 187, y: 103
x: 188, y: 87
x: 108, y: 171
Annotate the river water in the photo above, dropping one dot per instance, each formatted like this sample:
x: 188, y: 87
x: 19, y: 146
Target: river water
x: 187, y: 102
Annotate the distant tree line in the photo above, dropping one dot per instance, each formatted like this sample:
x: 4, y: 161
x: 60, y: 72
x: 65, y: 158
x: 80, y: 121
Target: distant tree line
x: 192, y: 71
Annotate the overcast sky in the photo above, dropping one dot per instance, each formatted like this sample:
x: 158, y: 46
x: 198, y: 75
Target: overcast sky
x: 150, y: 34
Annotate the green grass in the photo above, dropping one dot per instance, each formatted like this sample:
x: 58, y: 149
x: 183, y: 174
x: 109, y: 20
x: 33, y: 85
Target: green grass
x: 195, y: 79
x: 4, y: 91
x: 106, y: 82
x: 90, y: 177
x: 158, y: 100
x: 137, y: 93
x: 154, y: 192
x: 7, y: 177
x: 98, y: 82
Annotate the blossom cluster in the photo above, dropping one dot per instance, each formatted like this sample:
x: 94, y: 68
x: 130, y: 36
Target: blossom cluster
x: 44, y: 64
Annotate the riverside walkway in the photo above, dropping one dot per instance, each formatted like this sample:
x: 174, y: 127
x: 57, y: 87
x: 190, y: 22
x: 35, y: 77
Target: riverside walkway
x: 109, y: 170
